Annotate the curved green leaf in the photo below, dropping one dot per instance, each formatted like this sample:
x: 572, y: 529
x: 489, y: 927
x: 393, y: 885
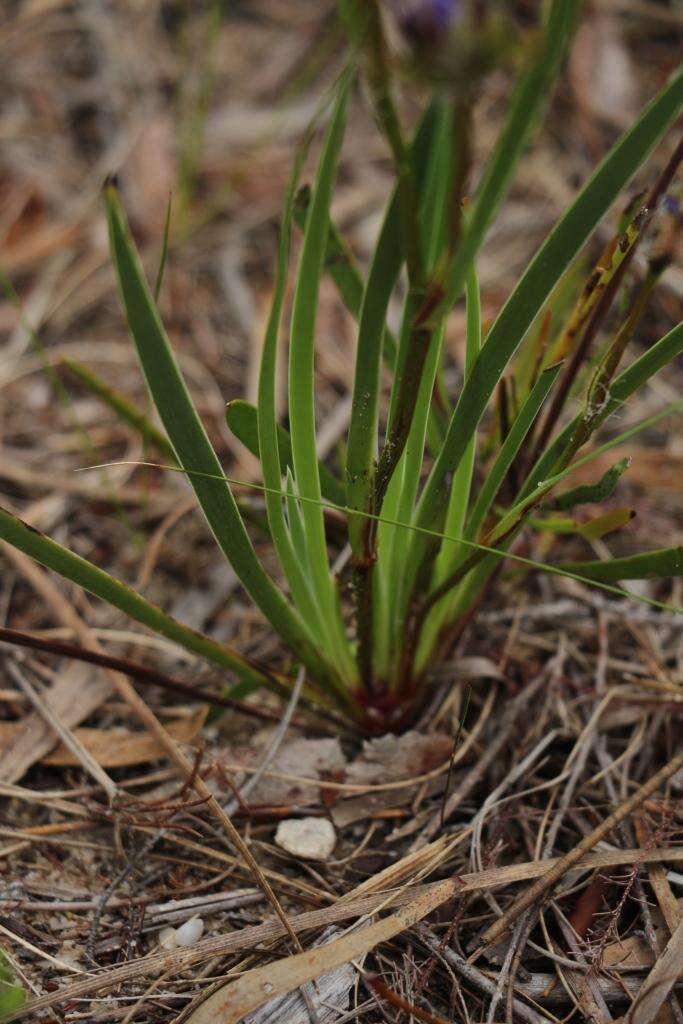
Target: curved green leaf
x: 99, y: 583
x: 664, y: 562
x: 540, y: 277
x: 190, y: 442
x: 242, y: 419
x: 302, y: 383
x: 586, y: 494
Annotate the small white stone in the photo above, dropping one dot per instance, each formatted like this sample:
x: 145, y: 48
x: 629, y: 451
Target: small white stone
x: 310, y: 838
x: 168, y: 938
x: 190, y: 932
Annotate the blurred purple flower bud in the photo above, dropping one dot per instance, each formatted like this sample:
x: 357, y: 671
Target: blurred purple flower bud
x: 672, y: 206
x: 427, y: 21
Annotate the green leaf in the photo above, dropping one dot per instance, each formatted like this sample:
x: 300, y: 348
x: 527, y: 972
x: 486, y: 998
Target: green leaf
x: 383, y: 274
x: 291, y: 550
x: 627, y: 383
x: 399, y: 501
x: 302, y: 382
x: 191, y: 445
x: 295, y: 521
x: 340, y: 265
x: 591, y: 529
x: 450, y: 553
x: 531, y: 94
x: 477, y: 578
x: 509, y: 449
x: 663, y: 563
x: 242, y: 419
x: 586, y: 494
x: 99, y: 583
x: 12, y: 993
x: 164, y: 252
x: 538, y: 280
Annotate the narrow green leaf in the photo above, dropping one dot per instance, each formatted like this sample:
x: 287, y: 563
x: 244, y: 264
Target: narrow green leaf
x: 458, y: 502
x: 509, y: 449
x: 531, y: 94
x: 383, y: 274
x: 295, y: 521
x: 591, y: 529
x: 399, y: 505
x: 541, y: 275
x: 627, y: 383
x: 291, y: 552
x: 399, y: 501
x: 99, y: 583
x: 302, y: 382
x: 242, y: 419
x: 586, y: 494
x: 340, y: 265
x: 190, y: 442
x: 600, y: 526
x: 665, y: 562
x: 164, y: 252
x: 473, y: 584
x: 462, y: 478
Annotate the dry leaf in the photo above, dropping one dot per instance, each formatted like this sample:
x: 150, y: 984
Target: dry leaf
x: 391, y: 758
x: 247, y: 938
x: 114, y: 748
x: 231, y: 1003
x: 309, y: 759
x: 329, y: 997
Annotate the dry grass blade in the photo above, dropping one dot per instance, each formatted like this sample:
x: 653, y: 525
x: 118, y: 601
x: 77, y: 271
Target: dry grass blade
x: 560, y: 868
x: 74, y: 696
x: 231, y: 1003
x: 68, y: 738
x: 181, y: 959
x: 659, y: 982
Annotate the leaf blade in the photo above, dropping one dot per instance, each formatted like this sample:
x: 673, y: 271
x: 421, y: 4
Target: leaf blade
x: 541, y: 275
x: 658, y: 564
x: 188, y: 437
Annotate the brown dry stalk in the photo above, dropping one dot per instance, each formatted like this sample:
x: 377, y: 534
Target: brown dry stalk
x: 142, y: 673
x: 383, y: 991
x: 668, y: 903
x: 560, y: 868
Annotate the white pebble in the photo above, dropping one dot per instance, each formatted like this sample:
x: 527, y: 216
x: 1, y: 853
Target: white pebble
x: 190, y: 932
x: 168, y: 939
x: 310, y: 838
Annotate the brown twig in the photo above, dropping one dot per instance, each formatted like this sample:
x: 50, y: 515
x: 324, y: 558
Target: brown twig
x: 541, y: 887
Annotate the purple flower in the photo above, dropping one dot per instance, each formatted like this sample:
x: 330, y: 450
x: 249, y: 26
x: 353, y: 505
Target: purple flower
x: 427, y: 21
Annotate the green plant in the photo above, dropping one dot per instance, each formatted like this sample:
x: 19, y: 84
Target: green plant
x: 12, y: 994
x: 434, y: 493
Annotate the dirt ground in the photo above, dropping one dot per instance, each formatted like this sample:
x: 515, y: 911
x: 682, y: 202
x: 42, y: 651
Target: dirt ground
x: 121, y: 898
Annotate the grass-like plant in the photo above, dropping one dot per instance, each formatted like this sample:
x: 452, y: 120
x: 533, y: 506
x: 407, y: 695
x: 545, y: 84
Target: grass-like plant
x: 12, y: 993
x: 435, y: 488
